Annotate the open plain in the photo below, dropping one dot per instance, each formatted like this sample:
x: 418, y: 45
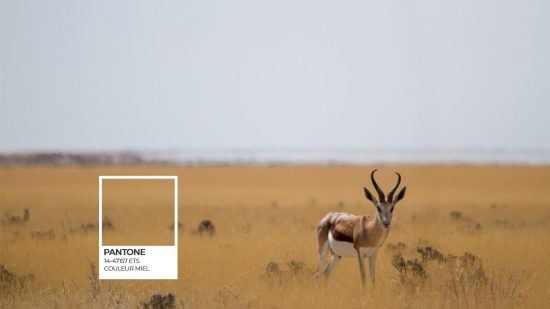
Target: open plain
x: 464, y: 236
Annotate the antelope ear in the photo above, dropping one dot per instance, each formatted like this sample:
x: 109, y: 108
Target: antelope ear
x: 370, y: 197
x: 401, y: 194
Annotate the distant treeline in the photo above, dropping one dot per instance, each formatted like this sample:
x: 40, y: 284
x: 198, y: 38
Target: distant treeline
x: 58, y: 158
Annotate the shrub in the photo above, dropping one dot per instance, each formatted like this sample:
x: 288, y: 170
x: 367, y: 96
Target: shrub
x: 159, y: 301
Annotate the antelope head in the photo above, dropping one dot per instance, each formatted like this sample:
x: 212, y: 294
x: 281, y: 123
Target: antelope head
x: 384, y: 208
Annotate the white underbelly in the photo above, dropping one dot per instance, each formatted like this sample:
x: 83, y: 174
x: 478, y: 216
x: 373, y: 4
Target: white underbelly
x: 345, y: 248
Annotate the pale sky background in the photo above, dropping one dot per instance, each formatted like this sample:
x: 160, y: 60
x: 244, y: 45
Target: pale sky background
x: 145, y: 75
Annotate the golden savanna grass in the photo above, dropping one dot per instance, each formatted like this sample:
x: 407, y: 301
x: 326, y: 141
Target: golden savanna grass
x: 268, y: 214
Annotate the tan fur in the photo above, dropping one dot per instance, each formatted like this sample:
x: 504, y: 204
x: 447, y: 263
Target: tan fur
x: 365, y: 231
x: 360, y: 236
x: 362, y: 231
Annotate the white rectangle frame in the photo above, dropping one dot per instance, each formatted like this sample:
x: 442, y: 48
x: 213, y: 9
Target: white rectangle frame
x: 173, y: 248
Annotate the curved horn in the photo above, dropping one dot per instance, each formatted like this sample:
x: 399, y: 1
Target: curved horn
x: 390, y: 195
x: 380, y: 192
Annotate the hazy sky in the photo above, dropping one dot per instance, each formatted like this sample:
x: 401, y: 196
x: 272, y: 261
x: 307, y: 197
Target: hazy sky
x: 92, y: 75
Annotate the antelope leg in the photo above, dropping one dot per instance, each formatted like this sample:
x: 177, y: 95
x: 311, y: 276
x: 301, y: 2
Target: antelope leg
x: 333, y: 262
x: 361, y: 267
x: 372, y: 266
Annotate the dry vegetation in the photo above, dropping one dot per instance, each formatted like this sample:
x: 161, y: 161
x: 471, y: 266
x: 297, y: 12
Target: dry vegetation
x: 463, y: 237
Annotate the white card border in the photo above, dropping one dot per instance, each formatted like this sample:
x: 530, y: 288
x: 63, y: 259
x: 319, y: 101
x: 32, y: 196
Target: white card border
x: 138, y: 177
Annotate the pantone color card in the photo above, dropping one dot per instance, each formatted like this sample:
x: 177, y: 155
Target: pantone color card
x: 138, y: 227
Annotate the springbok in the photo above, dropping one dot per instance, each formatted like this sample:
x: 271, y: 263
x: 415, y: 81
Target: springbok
x: 348, y: 235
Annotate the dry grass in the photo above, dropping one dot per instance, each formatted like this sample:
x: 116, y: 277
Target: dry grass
x: 487, y: 227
